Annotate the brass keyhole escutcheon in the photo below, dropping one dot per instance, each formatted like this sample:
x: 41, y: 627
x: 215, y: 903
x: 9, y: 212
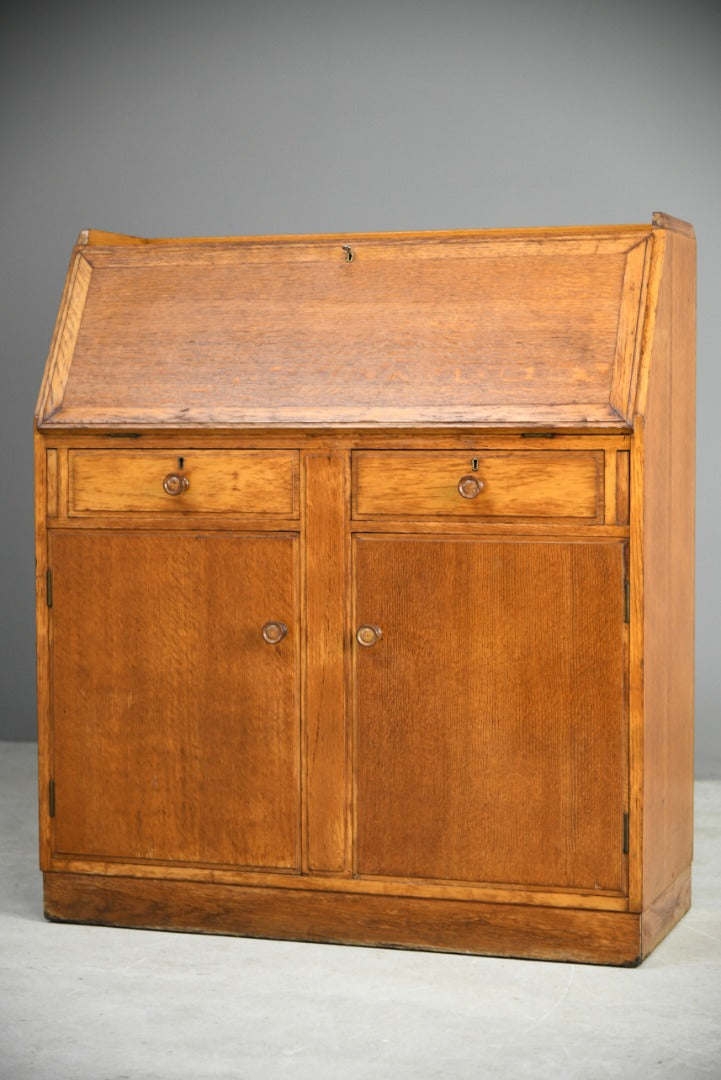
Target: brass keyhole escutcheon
x: 368, y: 634
x: 470, y: 486
x: 274, y: 632
x: 176, y: 483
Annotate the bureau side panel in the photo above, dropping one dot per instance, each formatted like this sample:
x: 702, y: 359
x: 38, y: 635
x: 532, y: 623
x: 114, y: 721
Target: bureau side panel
x: 668, y: 433
x: 42, y: 630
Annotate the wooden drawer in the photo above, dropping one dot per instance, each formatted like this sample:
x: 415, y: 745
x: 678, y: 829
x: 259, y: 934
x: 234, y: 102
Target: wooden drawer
x: 218, y: 481
x: 497, y: 484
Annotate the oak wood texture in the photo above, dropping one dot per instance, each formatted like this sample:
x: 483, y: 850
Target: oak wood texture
x: 479, y: 720
x: 326, y: 736
x: 673, y: 224
x: 622, y: 491
x: 175, y: 726
x: 507, y: 770
x: 324, y: 881
x: 240, y: 482
x: 519, y: 484
x: 43, y: 647
x: 343, y: 437
x: 52, y: 483
x: 102, y: 238
x: 666, y: 439
x: 628, y: 347
x: 665, y: 911
x: 67, y: 327
x: 438, y: 328
x: 447, y: 925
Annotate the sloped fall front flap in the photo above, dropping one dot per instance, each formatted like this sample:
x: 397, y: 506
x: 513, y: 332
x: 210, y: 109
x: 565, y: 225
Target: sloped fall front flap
x: 496, y: 329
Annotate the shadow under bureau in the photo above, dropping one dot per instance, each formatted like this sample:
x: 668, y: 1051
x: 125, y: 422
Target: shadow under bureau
x: 365, y: 588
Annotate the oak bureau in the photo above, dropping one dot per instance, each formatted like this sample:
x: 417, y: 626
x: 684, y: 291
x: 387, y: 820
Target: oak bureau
x: 365, y: 588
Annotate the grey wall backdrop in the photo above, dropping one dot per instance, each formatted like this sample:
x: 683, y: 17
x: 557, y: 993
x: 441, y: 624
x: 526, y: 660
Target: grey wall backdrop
x: 173, y: 118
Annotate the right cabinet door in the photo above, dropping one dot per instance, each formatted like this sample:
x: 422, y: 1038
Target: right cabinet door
x: 490, y: 729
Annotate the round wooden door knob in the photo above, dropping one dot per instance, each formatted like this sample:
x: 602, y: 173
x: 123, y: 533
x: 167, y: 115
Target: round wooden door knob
x: 368, y: 635
x: 470, y: 486
x: 176, y: 483
x: 273, y: 632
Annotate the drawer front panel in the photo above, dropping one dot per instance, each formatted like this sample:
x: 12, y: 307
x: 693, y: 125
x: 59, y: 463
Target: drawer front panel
x: 495, y: 484
x: 183, y: 481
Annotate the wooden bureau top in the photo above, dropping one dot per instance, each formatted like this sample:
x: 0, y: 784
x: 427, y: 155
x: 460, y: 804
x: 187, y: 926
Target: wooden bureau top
x: 536, y: 328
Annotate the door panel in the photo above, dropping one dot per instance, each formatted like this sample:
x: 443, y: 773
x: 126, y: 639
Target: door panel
x: 490, y: 721
x: 176, y: 725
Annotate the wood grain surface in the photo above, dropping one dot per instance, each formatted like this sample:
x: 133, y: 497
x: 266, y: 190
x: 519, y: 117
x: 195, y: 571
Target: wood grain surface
x: 623, y: 482
x: 480, y: 720
x: 667, y: 504
x: 239, y: 482
x: 593, y: 937
x: 327, y: 788
x: 520, y: 484
x: 43, y: 647
x: 175, y: 726
x: 455, y: 328
x: 65, y: 334
x: 508, y: 769
x: 52, y: 483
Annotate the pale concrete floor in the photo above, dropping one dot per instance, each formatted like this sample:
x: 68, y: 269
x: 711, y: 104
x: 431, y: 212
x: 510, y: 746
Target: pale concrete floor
x: 92, y: 1003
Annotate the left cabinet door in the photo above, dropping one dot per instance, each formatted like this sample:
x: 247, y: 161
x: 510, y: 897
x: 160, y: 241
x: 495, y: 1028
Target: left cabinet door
x: 175, y: 724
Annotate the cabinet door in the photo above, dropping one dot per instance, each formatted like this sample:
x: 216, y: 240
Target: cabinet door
x: 490, y: 724
x: 175, y: 724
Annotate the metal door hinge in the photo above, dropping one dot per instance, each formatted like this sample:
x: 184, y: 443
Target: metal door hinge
x: 51, y: 798
x: 625, y: 834
x: 49, y: 587
x: 626, y: 600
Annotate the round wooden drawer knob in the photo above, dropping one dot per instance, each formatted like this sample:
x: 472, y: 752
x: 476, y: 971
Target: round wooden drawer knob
x: 273, y: 632
x: 470, y: 486
x: 176, y: 483
x: 368, y: 635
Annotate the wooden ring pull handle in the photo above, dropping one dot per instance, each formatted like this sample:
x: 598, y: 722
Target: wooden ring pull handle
x: 176, y: 483
x: 368, y: 635
x: 274, y: 632
x: 470, y: 486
